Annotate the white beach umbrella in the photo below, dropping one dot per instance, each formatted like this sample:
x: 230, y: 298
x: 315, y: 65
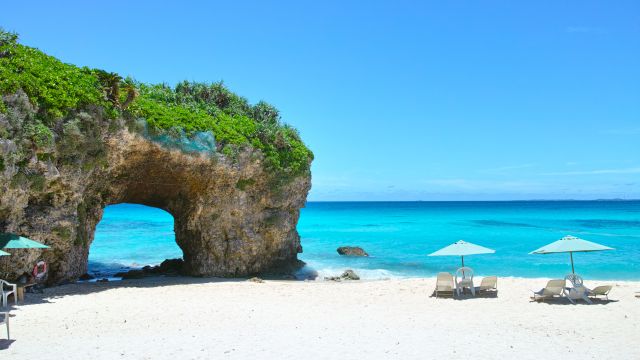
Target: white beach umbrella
x: 462, y: 248
x: 570, y: 244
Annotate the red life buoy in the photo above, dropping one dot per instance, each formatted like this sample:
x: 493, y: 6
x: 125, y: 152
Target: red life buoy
x: 36, y: 269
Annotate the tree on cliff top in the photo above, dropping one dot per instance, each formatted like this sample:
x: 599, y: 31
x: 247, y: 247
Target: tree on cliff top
x: 59, y: 90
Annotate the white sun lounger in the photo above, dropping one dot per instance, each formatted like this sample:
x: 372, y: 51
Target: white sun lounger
x: 602, y: 290
x: 488, y: 285
x: 444, y: 284
x: 554, y: 288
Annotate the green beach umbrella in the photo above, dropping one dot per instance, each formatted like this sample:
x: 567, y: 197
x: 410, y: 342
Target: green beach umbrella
x: 462, y: 248
x: 12, y: 241
x: 2, y: 253
x: 570, y: 244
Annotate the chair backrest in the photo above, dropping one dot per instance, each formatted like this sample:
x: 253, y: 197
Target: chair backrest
x: 602, y: 290
x: 489, y: 282
x: 576, y: 280
x: 555, y: 287
x: 578, y: 292
x: 444, y: 280
x: 464, y: 273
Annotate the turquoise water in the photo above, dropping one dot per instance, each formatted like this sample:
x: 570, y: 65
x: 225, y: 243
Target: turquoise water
x: 398, y: 235
x: 130, y: 236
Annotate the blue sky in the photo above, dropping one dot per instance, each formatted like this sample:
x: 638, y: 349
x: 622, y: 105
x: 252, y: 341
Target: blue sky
x: 402, y: 100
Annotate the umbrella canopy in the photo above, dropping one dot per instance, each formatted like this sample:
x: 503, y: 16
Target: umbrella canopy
x: 12, y: 241
x: 2, y: 253
x: 462, y: 248
x: 570, y: 244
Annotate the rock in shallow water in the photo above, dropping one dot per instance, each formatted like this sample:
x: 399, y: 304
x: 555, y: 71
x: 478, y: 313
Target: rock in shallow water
x: 347, y: 275
x: 131, y: 274
x: 352, y: 251
x: 85, y: 277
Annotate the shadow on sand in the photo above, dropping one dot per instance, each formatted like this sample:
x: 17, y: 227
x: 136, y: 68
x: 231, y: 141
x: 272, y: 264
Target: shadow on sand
x: 4, y: 344
x: 467, y: 295
x: 86, y: 287
x: 565, y: 301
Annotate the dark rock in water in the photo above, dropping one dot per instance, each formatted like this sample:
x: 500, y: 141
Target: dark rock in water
x: 131, y: 274
x: 103, y: 280
x: 347, y: 275
x: 172, y: 266
x: 85, y: 277
x: 352, y: 251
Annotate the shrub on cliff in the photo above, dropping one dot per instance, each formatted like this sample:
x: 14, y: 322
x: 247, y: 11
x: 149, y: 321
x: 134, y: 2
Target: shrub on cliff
x: 60, y: 91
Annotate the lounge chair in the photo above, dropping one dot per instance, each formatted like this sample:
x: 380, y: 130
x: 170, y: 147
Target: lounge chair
x: 5, y: 320
x: 578, y: 291
x: 444, y: 284
x: 7, y: 289
x: 488, y: 285
x: 554, y: 288
x: 600, y: 291
x: 464, y: 279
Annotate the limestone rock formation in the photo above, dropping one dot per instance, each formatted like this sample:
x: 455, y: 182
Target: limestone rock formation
x: 224, y: 229
x: 74, y: 140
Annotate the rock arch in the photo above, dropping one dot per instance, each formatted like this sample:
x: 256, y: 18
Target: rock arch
x: 229, y: 219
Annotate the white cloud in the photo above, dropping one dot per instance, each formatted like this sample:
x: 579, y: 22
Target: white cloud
x: 633, y: 170
x: 584, y: 30
x: 631, y: 131
x: 504, y: 169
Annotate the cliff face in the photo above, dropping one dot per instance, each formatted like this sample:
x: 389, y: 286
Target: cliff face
x: 231, y: 219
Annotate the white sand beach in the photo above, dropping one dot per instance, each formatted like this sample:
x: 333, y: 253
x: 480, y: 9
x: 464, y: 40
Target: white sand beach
x: 183, y: 318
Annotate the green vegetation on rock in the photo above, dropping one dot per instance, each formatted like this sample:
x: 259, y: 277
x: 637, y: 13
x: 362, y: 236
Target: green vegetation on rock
x: 60, y: 92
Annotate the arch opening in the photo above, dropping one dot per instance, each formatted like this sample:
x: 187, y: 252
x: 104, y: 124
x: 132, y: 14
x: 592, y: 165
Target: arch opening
x: 131, y: 236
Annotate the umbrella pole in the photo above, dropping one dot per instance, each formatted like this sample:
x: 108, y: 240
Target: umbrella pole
x: 462, y: 260
x: 571, y: 255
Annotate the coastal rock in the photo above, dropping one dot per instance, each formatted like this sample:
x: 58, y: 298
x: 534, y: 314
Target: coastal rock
x: 231, y: 218
x: 171, y: 267
x: 347, y: 275
x: 352, y: 251
x: 255, y: 280
x: 85, y: 277
x: 350, y: 275
x: 132, y: 274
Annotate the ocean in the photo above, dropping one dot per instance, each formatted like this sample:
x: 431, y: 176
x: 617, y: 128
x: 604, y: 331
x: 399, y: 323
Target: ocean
x: 399, y: 235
